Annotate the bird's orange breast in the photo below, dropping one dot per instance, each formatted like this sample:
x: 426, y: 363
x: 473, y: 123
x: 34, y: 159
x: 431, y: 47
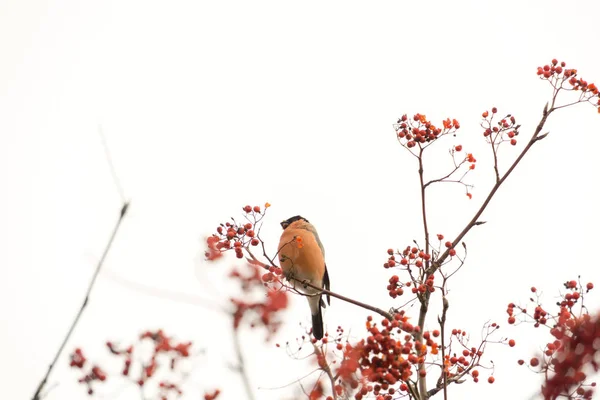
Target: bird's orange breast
x: 303, y: 258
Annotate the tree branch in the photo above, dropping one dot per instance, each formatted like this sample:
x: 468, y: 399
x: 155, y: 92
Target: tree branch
x: 241, y: 365
x: 379, y: 311
x: 473, y: 221
x: 44, y: 380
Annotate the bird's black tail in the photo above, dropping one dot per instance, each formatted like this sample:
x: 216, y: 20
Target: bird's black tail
x: 317, y: 324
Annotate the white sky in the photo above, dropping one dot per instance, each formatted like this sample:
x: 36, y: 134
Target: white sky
x: 207, y: 106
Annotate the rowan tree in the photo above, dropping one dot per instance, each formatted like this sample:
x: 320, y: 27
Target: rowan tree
x: 402, y: 354
x: 399, y: 356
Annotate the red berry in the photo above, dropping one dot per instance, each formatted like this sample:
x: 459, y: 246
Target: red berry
x: 390, y: 252
x: 440, y: 236
x: 534, y: 362
x: 513, y: 141
x: 491, y: 379
x: 589, y: 286
x: 448, y: 244
x: 247, y: 209
x: 256, y: 209
x: 452, y: 252
x: 511, y: 343
x: 458, y: 148
x: 255, y: 242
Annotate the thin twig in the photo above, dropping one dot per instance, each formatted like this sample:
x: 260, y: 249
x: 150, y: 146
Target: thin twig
x: 473, y: 221
x: 327, y: 370
x: 113, y: 171
x: 442, y: 322
x: 444, y: 178
x: 36, y: 396
x: 241, y: 365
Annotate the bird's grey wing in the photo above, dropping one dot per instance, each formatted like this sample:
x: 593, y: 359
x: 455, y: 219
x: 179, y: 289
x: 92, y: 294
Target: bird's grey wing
x: 316, y: 235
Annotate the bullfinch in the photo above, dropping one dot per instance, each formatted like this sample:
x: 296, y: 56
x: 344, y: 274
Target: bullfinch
x: 302, y: 257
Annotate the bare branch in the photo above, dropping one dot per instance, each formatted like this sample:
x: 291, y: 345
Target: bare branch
x: 379, y: 311
x: 241, y: 367
x: 42, y: 383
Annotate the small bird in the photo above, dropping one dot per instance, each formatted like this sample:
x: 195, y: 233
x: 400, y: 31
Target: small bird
x: 302, y: 257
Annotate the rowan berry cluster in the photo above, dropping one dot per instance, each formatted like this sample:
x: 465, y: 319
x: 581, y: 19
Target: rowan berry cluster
x: 420, y: 131
x: 464, y: 361
x: 94, y: 374
x: 236, y: 236
x: 567, y: 359
x: 386, y: 357
x: 162, y: 345
x: 557, y: 74
x: 165, y: 349
x: 265, y: 312
x: 409, y: 257
x: 496, y: 132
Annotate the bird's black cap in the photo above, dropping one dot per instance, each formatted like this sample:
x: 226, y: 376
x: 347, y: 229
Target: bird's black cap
x: 287, y: 222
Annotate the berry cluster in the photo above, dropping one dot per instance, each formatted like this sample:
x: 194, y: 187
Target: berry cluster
x: 95, y: 373
x: 419, y: 131
x: 123, y: 352
x: 557, y: 74
x: 387, y: 358
x: 410, y: 256
x: 575, y: 345
x: 457, y: 364
x: 504, y: 130
x: 166, y: 388
x: 267, y: 311
x: 163, y: 346
x: 236, y: 236
x: 395, y: 288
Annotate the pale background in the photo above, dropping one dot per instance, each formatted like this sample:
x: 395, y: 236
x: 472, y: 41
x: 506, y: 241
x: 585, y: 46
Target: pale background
x: 208, y: 106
